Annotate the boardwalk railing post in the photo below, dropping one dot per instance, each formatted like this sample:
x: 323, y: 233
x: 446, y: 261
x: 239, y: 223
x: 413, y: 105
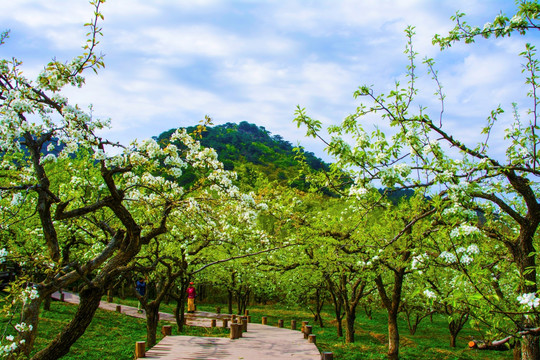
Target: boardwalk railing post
x: 110, y: 296
x: 213, y: 323
x: 118, y: 308
x: 264, y: 320
x: 327, y: 356
x: 280, y: 323
x: 244, y: 323
x: 249, y: 318
x: 166, y: 330
x: 312, y: 338
x: 235, y: 329
x: 307, y: 331
x: 293, y: 324
x: 247, y: 312
x: 225, y: 323
x: 140, y: 349
x: 304, y: 323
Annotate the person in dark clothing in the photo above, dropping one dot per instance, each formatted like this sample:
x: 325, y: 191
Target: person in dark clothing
x: 140, y: 287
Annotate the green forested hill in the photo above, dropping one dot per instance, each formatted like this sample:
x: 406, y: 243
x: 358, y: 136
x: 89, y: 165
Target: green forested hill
x: 246, y: 148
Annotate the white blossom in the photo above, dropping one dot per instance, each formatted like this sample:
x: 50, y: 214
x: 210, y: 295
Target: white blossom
x: 3, y: 255
x: 530, y: 300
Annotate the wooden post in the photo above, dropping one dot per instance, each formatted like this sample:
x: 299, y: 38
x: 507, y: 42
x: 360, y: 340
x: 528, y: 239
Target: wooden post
x: 140, y: 349
x: 225, y: 323
x: 293, y: 324
x: 213, y: 324
x: 280, y: 323
x: 264, y: 320
x: 244, y: 323
x: 240, y: 328
x: 247, y: 312
x: 312, y: 338
x: 218, y: 310
x: 235, y: 329
x: 233, y: 316
x: 118, y: 308
x: 62, y: 298
x: 304, y: 323
x: 307, y: 331
x: 327, y: 356
x: 166, y: 330
x: 234, y: 321
x: 249, y: 318
x: 110, y: 296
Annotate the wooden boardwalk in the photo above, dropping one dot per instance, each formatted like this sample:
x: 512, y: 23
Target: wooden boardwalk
x: 260, y: 342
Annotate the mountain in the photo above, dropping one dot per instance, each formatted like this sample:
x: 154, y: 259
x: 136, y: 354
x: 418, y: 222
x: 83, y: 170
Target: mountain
x: 246, y: 148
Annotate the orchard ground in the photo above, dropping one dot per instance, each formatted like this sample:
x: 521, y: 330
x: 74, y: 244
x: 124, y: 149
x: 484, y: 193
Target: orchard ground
x: 431, y: 340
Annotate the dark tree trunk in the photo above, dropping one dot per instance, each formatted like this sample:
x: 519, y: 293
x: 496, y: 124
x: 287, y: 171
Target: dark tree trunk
x: 392, y: 307
x: 338, y: 309
x: 152, y: 318
x: 349, y: 335
x: 179, y: 314
x: 368, y: 311
x: 47, y: 303
x: 89, y: 303
x: 180, y: 298
x: 230, y: 301
x: 339, y: 326
x: 319, y: 303
x: 455, y: 326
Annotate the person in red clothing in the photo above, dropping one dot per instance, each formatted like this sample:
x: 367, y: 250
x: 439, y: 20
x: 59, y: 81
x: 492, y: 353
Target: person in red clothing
x: 191, y: 298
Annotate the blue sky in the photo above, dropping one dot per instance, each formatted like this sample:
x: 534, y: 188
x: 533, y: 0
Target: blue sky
x: 169, y: 63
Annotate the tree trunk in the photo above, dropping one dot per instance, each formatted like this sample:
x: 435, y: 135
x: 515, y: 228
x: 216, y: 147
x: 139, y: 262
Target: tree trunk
x: 349, y: 335
x: 455, y: 326
x: 89, y: 303
x: 393, y: 336
x: 517, y: 351
x: 30, y: 316
x: 152, y: 318
x: 47, y: 303
x: 230, y: 301
x: 453, y: 340
x: 529, y: 348
x: 179, y: 314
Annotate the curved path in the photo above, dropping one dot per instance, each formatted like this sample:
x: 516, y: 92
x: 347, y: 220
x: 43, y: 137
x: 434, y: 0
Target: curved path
x: 260, y: 342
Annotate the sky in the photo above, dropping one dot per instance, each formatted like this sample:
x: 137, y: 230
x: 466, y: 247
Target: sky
x: 171, y: 62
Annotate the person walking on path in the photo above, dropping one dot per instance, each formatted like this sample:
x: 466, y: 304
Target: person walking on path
x: 191, y: 298
x: 140, y: 287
